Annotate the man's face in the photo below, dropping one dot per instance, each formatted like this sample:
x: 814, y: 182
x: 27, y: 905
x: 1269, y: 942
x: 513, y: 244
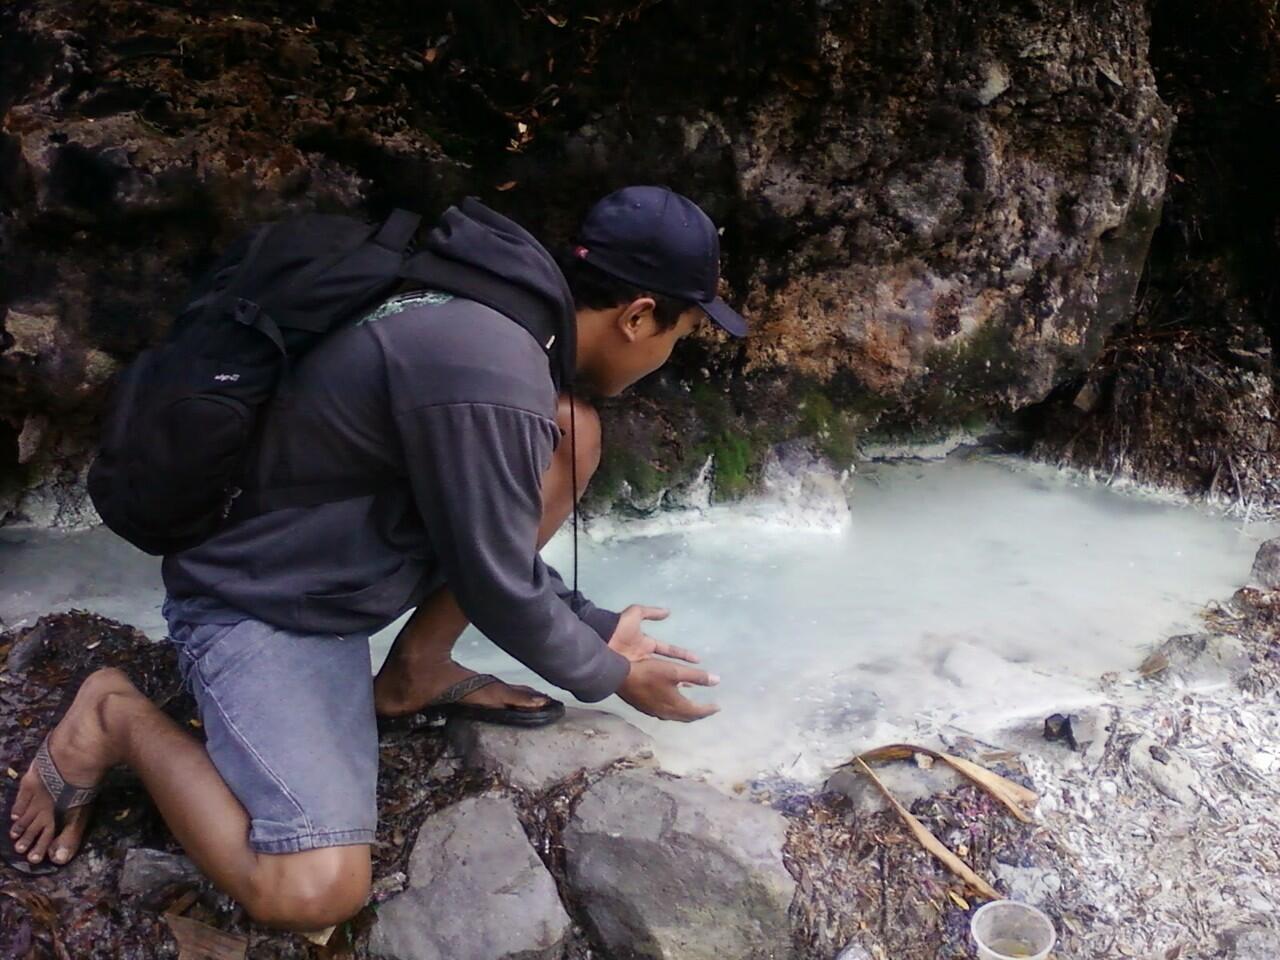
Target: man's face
x: 639, y: 347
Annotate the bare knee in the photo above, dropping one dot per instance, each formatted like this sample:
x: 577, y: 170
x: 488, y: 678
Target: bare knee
x: 587, y: 422
x: 311, y: 890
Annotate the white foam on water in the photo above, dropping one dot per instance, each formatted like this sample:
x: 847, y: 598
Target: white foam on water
x: 967, y: 593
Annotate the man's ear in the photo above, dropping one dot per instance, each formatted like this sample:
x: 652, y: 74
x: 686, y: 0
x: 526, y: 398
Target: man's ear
x: 631, y: 318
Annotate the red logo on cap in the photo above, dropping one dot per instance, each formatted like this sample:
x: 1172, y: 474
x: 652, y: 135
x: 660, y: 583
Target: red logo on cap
x: 580, y: 252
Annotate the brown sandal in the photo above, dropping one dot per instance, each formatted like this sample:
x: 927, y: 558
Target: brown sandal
x: 66, y: 796
x: 448, y: 705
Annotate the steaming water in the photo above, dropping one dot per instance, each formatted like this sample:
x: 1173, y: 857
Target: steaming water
x: 967, y: 594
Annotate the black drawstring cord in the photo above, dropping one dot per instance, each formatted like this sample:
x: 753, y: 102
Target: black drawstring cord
x: 573, y: 479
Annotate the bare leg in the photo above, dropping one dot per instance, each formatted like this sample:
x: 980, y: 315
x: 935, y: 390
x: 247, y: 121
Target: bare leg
x: 420, y: 665
x: 110, y: 722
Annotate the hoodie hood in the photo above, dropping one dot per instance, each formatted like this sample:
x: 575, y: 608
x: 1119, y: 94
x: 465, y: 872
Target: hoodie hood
x: 477, y: 253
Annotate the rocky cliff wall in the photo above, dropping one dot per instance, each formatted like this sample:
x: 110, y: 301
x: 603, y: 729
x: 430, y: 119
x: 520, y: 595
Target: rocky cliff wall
x: 932, y: 211
x: 1184, y: 396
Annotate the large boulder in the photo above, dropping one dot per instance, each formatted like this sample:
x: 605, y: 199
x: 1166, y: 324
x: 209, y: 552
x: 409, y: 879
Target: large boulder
x: 539, y: 758
x: 477, y: 891
x: 926, y: 214
x: 1266, y: 565
x: 673, y: 869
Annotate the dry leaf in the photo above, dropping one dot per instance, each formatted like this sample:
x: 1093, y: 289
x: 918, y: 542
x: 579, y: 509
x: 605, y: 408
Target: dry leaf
x: 430, y: 54
x: 958, y: 900
x: 504, y: 187
x: 1154, y: 664
x: 929, y: 841
x: 183, y: 901
x: 557, y: 21
x: 194, y: 723
x: 320, y: 937
x: 13, y: 774
x: 42, y: 912
x: 199, y: 941
x: 349, y: 95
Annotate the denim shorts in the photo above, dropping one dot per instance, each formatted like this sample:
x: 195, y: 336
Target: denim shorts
x: 290, y: 724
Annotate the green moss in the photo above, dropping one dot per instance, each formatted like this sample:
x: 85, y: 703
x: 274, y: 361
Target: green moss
x: 734, y: 455
x: 836, y: 428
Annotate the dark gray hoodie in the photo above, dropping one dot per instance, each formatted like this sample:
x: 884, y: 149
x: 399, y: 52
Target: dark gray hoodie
x: 451, y: 401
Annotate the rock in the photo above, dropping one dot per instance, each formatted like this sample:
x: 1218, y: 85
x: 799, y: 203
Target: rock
x: 1198, y: 659
x: 477, y: 891
x: 1169, y: 773
x: 932, y: 257
x: 1033, y: 885
x: 809, y: 492
x: 537, y: 759
x: 995, y: 81
x: 148, y: 872
x: 1266, y: 565
x: 668, y: 868
x: 1250, y: 943
x: 923, y: 446
x: 1092, y: 727
x: 908, y: 782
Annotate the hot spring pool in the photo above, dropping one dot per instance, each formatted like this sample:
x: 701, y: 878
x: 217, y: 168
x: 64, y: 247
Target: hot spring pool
x: 965, y: 594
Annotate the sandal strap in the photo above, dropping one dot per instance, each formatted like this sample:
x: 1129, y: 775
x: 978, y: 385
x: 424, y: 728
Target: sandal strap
x: 66, y: 796
x: 463, y: 688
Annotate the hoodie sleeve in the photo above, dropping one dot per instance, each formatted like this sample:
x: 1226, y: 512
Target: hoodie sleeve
x: 603, y: 622
x: 476, y: 472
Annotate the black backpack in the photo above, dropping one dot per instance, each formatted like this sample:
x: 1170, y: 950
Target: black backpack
x: 183, y: 416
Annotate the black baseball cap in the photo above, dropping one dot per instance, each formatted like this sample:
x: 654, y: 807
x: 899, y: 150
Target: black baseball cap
x: 659, y: 241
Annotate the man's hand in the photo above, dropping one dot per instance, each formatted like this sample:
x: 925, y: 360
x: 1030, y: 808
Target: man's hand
x: 653, y: 687
x: 630, y: 640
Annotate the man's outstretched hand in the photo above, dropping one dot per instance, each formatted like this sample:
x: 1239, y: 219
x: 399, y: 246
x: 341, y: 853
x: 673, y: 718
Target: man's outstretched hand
x: 630, y: 640
x: 653, y: 687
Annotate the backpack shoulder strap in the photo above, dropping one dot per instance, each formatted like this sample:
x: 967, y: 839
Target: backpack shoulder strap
x: 398, y: 229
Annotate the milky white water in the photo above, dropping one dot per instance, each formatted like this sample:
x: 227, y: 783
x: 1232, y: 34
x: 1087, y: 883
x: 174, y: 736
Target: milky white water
x: 967, y: 594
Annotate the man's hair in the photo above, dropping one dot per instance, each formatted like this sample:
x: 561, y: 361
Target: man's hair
x: 593, y: 289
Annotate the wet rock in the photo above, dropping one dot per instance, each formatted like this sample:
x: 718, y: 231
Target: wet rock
x: 1266, y: 565
x: 1165, y: 770
x: 149, y: 872
x: 805, y: 485
x: 537, y: 759
x: 922, y: 446
x: 1057, y: 728
x: 477, y: 891
x: 1198, y: 659
x: 908, y: 782
x: 667, y: 867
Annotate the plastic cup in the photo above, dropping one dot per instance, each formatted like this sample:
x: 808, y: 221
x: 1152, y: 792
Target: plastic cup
x: 1008, y: 930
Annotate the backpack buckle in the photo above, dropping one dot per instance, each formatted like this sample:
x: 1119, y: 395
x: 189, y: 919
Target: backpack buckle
x: 246, y: 312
